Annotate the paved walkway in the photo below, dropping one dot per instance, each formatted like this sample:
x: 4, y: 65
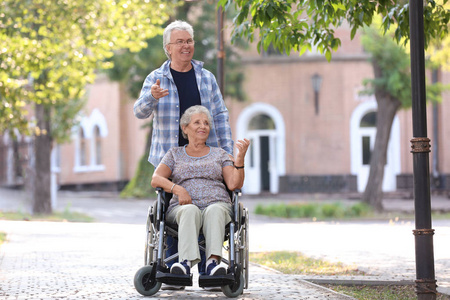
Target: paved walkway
x: 45, y: 260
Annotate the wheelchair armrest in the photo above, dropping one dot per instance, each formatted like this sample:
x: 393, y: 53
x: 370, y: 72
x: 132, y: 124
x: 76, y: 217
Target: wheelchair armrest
x: 165, y: 197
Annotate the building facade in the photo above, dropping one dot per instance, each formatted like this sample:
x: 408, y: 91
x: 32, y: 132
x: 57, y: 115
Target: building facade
x: 320, y: 141
x: 304, y: 138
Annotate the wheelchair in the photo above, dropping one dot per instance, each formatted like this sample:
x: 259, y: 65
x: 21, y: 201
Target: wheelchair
x: 149, y: 278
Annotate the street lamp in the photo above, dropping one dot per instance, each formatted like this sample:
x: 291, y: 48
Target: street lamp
x: 420, y: 144
x: 316, y: 82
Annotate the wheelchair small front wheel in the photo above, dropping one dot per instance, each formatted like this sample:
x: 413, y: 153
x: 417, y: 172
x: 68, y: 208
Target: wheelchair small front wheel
x: 145, y: 281
x: 234, y: 290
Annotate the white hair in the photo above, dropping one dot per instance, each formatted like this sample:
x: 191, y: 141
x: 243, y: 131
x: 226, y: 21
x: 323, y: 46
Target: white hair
x: 175, y: 25
x: 193, y: 110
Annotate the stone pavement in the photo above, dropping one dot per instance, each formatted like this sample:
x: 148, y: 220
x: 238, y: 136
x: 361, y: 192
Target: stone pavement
x: 45, y: 260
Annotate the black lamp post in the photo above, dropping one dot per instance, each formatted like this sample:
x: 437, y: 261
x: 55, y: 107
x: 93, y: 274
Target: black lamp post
x: 420, y: 145
x: 316, y: 82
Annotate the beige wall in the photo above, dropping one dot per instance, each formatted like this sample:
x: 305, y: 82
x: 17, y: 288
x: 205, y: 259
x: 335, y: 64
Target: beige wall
x: 315, y: 144
x: 443, y: 131
x: 123, y: 145
x: 320, y: 144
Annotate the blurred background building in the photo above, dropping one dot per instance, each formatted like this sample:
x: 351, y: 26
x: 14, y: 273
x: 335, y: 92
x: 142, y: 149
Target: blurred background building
x: 311, y: 130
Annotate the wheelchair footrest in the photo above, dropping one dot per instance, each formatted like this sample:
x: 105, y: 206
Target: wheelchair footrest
x: 174, y: 279
x: 215, y: 280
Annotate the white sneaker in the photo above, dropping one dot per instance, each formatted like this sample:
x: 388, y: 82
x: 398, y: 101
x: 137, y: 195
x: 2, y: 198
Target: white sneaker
x: 180, y: 268
x: 215, y: 269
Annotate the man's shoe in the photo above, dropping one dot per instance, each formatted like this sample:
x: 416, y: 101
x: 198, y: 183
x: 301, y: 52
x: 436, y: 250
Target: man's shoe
x: 215, y: 269
x: 169, y: 287
x: 180, y: 268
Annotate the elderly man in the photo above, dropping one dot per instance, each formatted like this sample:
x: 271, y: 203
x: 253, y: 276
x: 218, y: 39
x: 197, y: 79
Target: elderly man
x: 181, y: 82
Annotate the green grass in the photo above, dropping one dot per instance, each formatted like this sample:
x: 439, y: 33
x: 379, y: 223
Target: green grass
x: 2, y: 237
x: 57, y: 216
x: 296, y: 263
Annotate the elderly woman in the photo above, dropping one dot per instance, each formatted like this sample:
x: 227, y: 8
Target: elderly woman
x: 200, y: 177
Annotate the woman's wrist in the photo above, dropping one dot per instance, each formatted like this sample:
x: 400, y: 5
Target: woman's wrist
x: 171, y: 189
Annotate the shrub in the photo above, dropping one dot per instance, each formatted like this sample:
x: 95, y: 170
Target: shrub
x: 336, y: 210
x: 360, y: 209
x: 333, y: 210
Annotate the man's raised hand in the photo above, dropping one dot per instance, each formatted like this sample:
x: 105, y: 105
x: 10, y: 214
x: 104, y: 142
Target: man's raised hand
x: 157, y: 91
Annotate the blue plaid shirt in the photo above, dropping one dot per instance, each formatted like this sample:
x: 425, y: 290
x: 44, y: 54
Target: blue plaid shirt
x: 166, y: 111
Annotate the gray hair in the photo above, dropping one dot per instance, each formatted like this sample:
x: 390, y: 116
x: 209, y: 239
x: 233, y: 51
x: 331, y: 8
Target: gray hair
x: 175, y: 25
x: 193, y: 110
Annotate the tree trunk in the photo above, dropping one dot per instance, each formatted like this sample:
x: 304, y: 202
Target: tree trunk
x: 40, y: 193
x: 139, y: 186
x: 387, y: 108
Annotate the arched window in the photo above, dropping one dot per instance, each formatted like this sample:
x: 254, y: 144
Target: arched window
x: 369, y: 120
x: 261, y: 121
x: 56, y: 158
x: 82, y: 150
x: 98, y: 146
x: 89, y: 142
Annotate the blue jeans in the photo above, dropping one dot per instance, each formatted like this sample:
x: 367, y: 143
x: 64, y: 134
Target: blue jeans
x: 172, y: 248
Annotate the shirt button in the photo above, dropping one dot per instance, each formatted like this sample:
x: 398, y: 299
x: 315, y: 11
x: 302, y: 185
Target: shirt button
x: 176, y: 135
x: 177, y: 121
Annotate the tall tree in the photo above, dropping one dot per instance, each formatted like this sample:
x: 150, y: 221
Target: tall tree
x: 439, y: 50
x: 300, y: 25
x: 49, y: 52
x: 392, y: 89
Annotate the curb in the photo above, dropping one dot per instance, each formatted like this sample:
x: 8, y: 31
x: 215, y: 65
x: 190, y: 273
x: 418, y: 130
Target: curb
x: 351, y: 282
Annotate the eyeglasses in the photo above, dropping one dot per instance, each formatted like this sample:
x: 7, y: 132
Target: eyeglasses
x: 180, y: 43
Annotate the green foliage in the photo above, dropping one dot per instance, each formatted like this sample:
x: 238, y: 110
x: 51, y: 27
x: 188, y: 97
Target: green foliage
x: 50, y: 51
x: 392, y: 63
x: 359, y: 210
x: 335, y: 210
x: 300, y: 25
x: 131, y: 68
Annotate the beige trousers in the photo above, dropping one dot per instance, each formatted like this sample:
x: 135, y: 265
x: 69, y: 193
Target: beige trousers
x: 190, y: 219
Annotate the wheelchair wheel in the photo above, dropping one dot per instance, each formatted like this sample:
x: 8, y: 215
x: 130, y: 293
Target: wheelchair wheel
x: 236, y: 289
x: 145, y: 281
x: 243, y: 252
